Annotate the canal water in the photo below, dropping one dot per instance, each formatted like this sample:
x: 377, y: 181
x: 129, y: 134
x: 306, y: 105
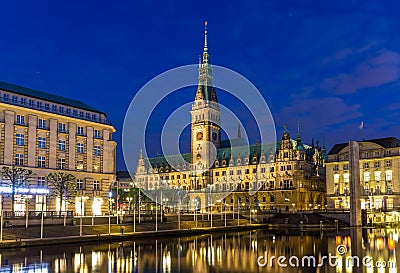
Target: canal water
x: 255, y: 251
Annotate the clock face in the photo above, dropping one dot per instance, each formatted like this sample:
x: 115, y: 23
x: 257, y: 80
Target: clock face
x: 199, y: 136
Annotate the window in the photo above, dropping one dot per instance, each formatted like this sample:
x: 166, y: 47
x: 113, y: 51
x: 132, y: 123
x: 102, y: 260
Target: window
x: 61, y: 110
x: 20, y: 120
x: 388, y: 174
x: 96, y: 150
x: 31, y: 103
x: 47, y: 106
x: 79, y: 184
x: 96, y: 185
x: 239, y: 172
x: 231, y: 172
x: 23, y: 101
x: 54, y: 108
x: 14, y: 99
x: 80, y: 131
x: 61, y: 145
x: 79, y: 165
x: 271, y: 198
x: 42, y: 123
x: 94, y: 117
x: 346, y: 177
x: 20, y: 139
x: 81, y: 114
x: 336, y: 178
x: 282, y: 168
x: 262, y: 170
x: 376, y: 164
x: 247, y: 171
x: 41, y: 161
x: 97, y: 134
x: 377, y: 176
x: 346, y: 167
x: 388, y: 163
x: 41, y: 181
x: 272, y: 184
x: 68, y: 111
x: 5, y: 97
x: 377, y: 154
x: 41, y: 142
x: 62, y: 127
x: 79, y: 148
x: 366, y: 176
x: 19, y: 159
x: 61, y: 163
x: 271, y: 169
x: 223, y: 172
x: 336, y: 168
x: 39, y: 105
x: 366, y: 165
x: 74, y: 113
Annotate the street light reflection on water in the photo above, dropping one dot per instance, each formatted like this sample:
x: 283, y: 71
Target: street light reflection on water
x: 220, y: 252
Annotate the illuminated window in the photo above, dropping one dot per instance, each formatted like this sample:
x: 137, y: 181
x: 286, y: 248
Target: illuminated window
x: 388, y: 174
x: 79, y: 165
x: 19, y: 159
x: 41, y: 142
x: 61, y: 163
x: 20, y: 139
x: 377, y: 175
x: 346, y: 177
x: 62, y: 127
x: 80, y: 131
x: 97, y: 206
x: 96, y: 150
x: 366, y: 176
x: 79, y: 148
x: 41, y: 161
x: 42, y: 123
x: 96, y: 185
x: 20, y: 120
x: 41, y: 181
x: 366, y: 165
x: 336, y: 178
x: 97, y: 134
x: 79, y: 184
x: 61, y: 145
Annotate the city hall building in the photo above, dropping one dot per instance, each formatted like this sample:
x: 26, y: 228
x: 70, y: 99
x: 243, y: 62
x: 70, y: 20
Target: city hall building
x: 379, y: 174
x: 288, y: 175
x: 46, y: 133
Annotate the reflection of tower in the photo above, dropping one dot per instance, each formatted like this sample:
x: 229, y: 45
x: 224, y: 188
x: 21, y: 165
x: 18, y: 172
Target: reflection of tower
x: 205, y: 131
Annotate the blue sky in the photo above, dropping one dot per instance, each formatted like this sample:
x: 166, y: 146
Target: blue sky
x: 326, y: 64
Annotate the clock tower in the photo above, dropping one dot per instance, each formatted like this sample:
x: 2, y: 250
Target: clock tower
x: 205, y: 137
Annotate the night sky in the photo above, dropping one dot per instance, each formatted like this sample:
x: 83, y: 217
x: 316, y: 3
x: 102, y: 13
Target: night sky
x: 327, y: 64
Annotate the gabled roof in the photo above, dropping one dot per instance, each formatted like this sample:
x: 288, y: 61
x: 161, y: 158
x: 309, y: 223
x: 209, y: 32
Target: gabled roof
x: 386, y: 142
x: 46, y: 96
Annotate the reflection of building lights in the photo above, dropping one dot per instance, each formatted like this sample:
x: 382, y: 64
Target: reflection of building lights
x: 96, y: 260
x: 391, y: 244
x: 379, y: 243
x: 166, y: 262
x: 395, y: 237
x: 338, y: 240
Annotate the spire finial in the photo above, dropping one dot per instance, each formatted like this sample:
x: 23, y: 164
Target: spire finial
x: 205, y: 36
x: 239, y: 135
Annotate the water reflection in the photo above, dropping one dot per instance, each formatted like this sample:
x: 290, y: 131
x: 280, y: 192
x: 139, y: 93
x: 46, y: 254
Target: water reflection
x: 230, y: 252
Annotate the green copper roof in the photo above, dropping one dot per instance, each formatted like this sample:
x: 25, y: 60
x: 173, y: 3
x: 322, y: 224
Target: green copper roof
x: 46, y: 96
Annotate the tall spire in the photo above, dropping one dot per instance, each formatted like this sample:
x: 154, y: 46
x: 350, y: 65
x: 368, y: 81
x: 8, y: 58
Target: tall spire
x: 239, y: 134
x: 205, y: 49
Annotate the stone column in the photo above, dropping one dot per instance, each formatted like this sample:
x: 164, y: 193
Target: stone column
x: 53, y: 144
x: 355, y: 202
x: 9, y: 120
x: 32, y: 136
x: 89, y: 149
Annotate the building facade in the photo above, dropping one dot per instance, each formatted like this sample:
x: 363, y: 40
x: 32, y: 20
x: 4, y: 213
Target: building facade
x: 46, y: 133
x: 379, y: 174
x: 229, y: 174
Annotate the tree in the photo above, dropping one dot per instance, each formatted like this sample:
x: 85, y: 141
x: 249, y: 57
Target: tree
x: 63, y: 186
x: 15, y: 177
